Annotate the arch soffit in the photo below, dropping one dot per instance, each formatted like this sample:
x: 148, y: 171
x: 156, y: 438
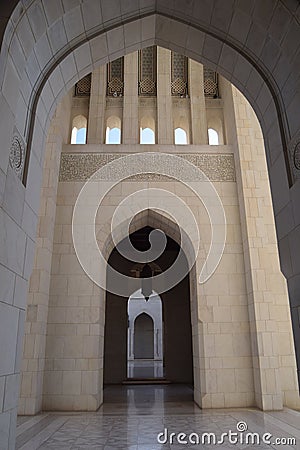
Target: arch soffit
x: 79, y: 122
x: 147, y: 217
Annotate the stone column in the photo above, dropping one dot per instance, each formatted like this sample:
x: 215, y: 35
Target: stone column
x: 33, y: 363
x: 96, y: 125
x: 130, y: 129
x: 165, y: 128
x: 198, y: 109
x: 274, y: 363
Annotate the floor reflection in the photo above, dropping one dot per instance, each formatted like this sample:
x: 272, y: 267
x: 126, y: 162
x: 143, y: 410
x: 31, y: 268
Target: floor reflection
x: 145, y: 369
x: 148, y: 399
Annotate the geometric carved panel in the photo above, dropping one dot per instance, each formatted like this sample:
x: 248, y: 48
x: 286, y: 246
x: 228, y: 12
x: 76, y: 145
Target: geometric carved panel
x: 147, y: 71
x: 179, y: 74
x: 115, y: 78
x: 211, y: 87
x: 83, y: 86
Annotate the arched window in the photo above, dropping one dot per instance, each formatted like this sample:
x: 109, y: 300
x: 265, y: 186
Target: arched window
x: 78, y: 136
x: 213, y: 137
x: 180, y: 136
x: 113, y: 130
x: 147, y: 130
x: 113, y: 136
x: 79, y: 125
x: 147, y: 136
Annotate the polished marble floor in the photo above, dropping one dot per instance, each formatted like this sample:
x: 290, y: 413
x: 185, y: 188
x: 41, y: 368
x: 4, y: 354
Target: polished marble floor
x: 143, y: 368
x: 133, y: 416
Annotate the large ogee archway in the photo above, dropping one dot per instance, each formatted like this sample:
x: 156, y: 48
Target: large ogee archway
x: 47, y: 47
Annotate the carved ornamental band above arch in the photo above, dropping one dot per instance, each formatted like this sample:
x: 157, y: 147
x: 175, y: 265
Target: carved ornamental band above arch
x: 81, y: 166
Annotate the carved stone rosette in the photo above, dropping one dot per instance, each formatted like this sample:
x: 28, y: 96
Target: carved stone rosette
x: 294, y: 154
x: 297, y: 156
x: 17, y: 155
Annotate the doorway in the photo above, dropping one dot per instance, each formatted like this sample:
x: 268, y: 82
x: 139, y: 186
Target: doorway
x: 143, y: 337
x: 141, y: 344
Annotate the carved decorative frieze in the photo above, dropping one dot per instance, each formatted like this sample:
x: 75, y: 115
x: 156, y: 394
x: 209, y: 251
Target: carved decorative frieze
x: 80, y: 166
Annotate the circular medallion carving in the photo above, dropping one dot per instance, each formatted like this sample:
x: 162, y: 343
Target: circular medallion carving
x: 297, y: 156
x: 16, y: 157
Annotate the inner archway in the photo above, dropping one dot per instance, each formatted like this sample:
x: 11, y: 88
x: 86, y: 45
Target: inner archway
x: 144, y: 337
x: 145, y: 353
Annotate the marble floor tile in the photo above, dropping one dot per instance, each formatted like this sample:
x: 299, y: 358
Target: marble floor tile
x: 131, y: 418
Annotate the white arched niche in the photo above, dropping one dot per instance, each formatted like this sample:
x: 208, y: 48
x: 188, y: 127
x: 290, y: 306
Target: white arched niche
x: 137, y: 305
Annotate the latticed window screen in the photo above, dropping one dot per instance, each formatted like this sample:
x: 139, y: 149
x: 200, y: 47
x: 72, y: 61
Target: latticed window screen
x: 147, y: 71
x: 211, y: 88
x: 83, y: 87
x: 115, y: 78
x: 179, y: 74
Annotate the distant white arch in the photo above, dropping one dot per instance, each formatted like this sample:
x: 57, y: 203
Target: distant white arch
x: 153, y: 308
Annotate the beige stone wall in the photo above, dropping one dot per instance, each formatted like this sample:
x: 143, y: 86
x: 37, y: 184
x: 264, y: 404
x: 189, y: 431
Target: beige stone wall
x: 130, y: 133
x: 215, y: 117
x: 74, y: 347
x: 97, y: 107
x: 221, y: 339
x: 197, y: 101
x: 273, y: 353
x: 33, y: 362
x: 224, y: 366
